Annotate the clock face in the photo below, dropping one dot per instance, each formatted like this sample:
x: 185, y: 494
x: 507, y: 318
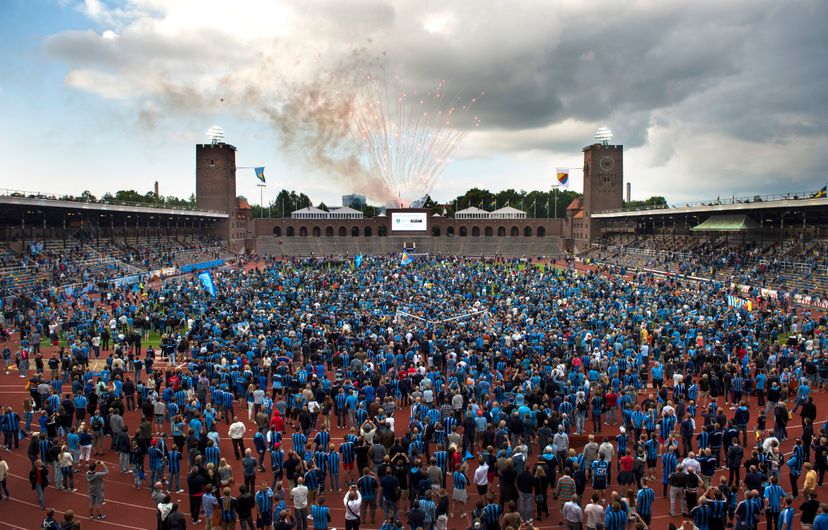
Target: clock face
x: 607, y: 163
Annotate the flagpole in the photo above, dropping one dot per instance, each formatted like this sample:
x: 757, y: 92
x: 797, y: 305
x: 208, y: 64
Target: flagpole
x: 555, y: 211
x: 261, y: 199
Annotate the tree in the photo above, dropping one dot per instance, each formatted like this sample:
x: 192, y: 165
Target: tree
x: 655, y: 200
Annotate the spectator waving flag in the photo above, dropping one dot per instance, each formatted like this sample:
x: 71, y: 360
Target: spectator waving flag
x: 260, y: 173
x: 563, y: 175
x: 207, y: 281
x: 406, y: 259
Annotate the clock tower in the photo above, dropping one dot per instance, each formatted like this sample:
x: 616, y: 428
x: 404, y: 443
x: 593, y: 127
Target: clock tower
x: 603, y: 181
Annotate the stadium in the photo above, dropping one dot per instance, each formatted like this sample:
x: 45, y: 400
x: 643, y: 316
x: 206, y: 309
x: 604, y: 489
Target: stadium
x: 760, y: 260
x: 560, y: 358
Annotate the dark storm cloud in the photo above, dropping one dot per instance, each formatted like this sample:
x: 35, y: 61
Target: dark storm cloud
x: 742, y: 71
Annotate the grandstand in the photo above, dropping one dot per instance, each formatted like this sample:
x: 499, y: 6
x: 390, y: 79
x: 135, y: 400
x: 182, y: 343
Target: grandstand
x: 779, y: 243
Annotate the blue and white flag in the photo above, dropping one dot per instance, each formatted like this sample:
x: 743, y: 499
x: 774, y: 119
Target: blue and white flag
x: 207, y: 281
x: 260, y: 173
x: 357, y: 261
x: 241, y: 328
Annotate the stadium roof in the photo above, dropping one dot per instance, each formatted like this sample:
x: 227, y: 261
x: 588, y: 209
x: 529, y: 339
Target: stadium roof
x: 726, y: 223
x: 344, y: 209
x: 10, y: 204
x: 508, y: 209
x: 816, y: 203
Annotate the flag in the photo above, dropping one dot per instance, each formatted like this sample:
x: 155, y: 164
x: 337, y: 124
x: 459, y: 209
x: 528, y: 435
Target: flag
x: 207, y: 281
x: 241, y: 328
x: 821, y: 193
x: 357, y: 261
x: 405, y: 259
x: 260, y: 173
x: 563, y: 175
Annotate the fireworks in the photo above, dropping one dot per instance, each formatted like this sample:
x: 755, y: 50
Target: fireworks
x: 408, y: 138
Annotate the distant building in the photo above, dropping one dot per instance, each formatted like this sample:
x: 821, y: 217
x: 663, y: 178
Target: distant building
x: 354, y: 200
x: 312, y: 212
x: 507, y: 212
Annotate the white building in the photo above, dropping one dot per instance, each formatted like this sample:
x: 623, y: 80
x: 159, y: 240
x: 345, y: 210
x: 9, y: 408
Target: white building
x: 507, y: 212
x: 312, y: 212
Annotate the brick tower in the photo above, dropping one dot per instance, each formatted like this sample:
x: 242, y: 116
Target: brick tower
x: 216, y: 182
x: 603, y: 181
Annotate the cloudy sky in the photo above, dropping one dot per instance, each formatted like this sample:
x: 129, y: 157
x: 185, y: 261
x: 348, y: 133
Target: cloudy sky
x: 708, y: 98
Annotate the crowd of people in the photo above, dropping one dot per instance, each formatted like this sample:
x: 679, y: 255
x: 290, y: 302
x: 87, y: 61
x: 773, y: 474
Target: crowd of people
x: 447, y: 393
x: 796, y: 265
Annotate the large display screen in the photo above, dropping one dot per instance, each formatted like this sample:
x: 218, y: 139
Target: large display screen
x: 409, y: 222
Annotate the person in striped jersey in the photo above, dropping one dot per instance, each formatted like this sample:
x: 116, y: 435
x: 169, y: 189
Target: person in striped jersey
x: 718, y: 508
x: 212, y: 453
x: 460, y: 494
x: 322, y: 439
x: 346, y: 450
x: 644, y: 501
x: 615, y: 518
x: 312, y: 481
x: 786, y: 517
x: 441, y: 459
x: 320, y: 514
x: 701, y: 514
x: 227, y: 506
x: 299, y: 441
x: 174, y: 458
x: 277, y: 463
x: 669, y: 462
x: 332, y: 465
x: 368, y: 486
x: 773, y: 501
x: 491, y: 514
x: 747, y: 511
x: 264, y: 506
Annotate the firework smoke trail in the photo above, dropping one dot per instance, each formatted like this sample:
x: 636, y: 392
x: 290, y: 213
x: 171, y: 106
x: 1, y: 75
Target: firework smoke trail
x: 408, y: 139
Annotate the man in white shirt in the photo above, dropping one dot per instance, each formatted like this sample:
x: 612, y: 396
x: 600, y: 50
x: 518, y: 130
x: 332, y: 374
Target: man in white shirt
x: 353, y: 503
x: 300, y: 503
x: 236, y: 434
x: 481, y: 477
x: 691, y: 463
x: 573, y: 515
x: 594, y: 513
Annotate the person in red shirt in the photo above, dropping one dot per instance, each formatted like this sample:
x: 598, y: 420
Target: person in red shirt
x: 277, y: 421
x: 610, y: 400
x: 626, y: 475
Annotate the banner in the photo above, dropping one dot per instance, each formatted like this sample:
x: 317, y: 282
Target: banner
x: 207, y: 280
x: 741, y: 303
x: 201, y: 266
x: 563, y: 176
x: 127, y: 280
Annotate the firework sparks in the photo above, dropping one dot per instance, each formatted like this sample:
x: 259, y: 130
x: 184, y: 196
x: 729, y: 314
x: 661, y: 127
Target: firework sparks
x: 409, y: 138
